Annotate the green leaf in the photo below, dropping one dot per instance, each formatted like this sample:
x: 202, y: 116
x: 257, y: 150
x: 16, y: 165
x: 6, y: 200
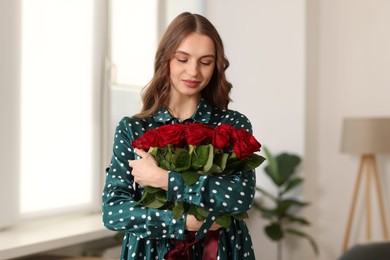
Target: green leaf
x: 241, y: 216
x: 224, y: 221
x: 161, y: 196
x: 162, y: 161
x: 266, y: 193
x: 284, y: 205
x: 304, y: 235
x: 220, y: 160
x: 292, y: 184
x: 232, y: 164
x: 252, y: 162
x: 153, y: 151
x: 266, y: 212
x: 178, y: 210
x: 199, y: 156
x: 143, y: 197
x: 190, y: 178
x: 210, y: 159
x: 214, y: 169
x: 272, y: 168
x: 154, y: 198
x: 274, y: 231
x: 192, y: 211
x: 150, y: 200
x: 181, y: 159
x: 281, y: 167
x: 269, y: 213
x: 202, y: 212
x: 233, y: 156
x: 149, y: 189
x: 191, y: 149
x: 199, y: 213
x: 286, y: 165
x: 289, y: 218
x: 169, y: 157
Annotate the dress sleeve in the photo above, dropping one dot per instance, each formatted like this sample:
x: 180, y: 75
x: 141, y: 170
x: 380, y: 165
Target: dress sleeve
x: 119, y: 199
x: 230, y: 194
x: 220, y: 194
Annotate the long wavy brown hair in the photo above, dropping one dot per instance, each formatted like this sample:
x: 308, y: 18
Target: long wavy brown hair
x: 156, y: 94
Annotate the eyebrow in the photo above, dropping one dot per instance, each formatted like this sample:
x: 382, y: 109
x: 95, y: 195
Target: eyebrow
x: 204, y: 56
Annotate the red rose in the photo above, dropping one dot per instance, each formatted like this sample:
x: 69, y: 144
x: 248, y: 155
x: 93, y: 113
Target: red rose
x: 197, y: 134
x: 172, y: 134
x: 245, y: 144
x: 222, y: 137
x: 149, y: 139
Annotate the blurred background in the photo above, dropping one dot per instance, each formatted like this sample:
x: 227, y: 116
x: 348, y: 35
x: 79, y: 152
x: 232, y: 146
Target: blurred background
x: 70, y: 70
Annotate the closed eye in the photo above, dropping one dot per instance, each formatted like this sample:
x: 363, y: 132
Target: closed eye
x: 206, y: 63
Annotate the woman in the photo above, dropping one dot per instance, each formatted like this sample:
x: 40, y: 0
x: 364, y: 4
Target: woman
x: 188, y: 85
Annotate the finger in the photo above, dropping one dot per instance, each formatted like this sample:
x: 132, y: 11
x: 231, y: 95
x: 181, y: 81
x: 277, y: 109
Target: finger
x: 145, y: 155
x: 215, y: 227
x: 131, y: 163
x: 141, y: 153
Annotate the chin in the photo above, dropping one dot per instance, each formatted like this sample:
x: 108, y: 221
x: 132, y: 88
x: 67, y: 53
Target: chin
x: 190, y: 92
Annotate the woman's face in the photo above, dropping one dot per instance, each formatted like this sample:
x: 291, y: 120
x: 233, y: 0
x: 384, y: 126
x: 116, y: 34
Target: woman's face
x: 192, y: 65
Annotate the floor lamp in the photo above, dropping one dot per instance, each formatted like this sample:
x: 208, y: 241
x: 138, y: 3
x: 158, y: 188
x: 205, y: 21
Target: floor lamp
x: 366, y: 137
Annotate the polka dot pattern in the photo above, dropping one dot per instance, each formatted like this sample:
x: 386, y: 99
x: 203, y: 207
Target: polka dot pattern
x: 149, y: 231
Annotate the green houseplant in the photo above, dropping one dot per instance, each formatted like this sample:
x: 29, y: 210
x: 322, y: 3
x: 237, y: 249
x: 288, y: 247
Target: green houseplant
x: 281, y: 170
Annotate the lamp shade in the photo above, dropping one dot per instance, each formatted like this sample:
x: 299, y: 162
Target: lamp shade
x: 366, y: 135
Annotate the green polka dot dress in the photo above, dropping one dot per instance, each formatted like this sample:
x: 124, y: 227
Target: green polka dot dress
x: 149, y: 232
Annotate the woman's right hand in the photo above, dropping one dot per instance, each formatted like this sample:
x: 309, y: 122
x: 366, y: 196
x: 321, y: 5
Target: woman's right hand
x: 192, y: 224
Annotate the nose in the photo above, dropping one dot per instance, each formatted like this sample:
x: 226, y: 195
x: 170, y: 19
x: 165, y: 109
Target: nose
x: 192, y: 68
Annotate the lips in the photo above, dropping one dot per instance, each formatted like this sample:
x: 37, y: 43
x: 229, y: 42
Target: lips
x: 191, y: 83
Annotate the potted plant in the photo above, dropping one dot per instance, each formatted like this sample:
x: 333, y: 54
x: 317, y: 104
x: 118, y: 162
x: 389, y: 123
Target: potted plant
x: 281, y: 170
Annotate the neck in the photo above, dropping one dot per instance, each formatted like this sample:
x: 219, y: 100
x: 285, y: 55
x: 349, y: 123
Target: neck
x: 183, y: 108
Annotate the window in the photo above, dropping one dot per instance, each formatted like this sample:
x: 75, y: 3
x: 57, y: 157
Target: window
x: 57, y: 98
x: 53, y: 142
x: 66, y: 93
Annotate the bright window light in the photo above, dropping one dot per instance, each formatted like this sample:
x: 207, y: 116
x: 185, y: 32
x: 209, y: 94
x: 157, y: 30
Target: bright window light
x: 57, y: 98
x: 134, y: 37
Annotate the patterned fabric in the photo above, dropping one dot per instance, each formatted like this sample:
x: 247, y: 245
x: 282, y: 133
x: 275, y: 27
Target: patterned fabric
x: 150, y: 233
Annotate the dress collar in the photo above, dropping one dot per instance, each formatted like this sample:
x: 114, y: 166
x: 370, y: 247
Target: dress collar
x: 202, y: 114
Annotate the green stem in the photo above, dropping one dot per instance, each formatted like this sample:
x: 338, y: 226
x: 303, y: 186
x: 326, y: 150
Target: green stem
x: 280, y: 246
x: 280, y: 250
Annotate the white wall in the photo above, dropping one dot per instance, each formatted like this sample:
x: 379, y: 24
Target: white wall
x: 350, y: 57
x: 9, y: 108
x: 299, y: 67
x: 265, y: 44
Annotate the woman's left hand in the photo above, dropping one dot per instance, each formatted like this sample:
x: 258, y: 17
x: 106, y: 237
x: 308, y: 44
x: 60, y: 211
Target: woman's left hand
x: 146, y: 171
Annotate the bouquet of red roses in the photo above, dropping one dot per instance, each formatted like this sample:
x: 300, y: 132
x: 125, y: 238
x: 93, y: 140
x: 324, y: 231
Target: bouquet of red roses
x: 194, y: 150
